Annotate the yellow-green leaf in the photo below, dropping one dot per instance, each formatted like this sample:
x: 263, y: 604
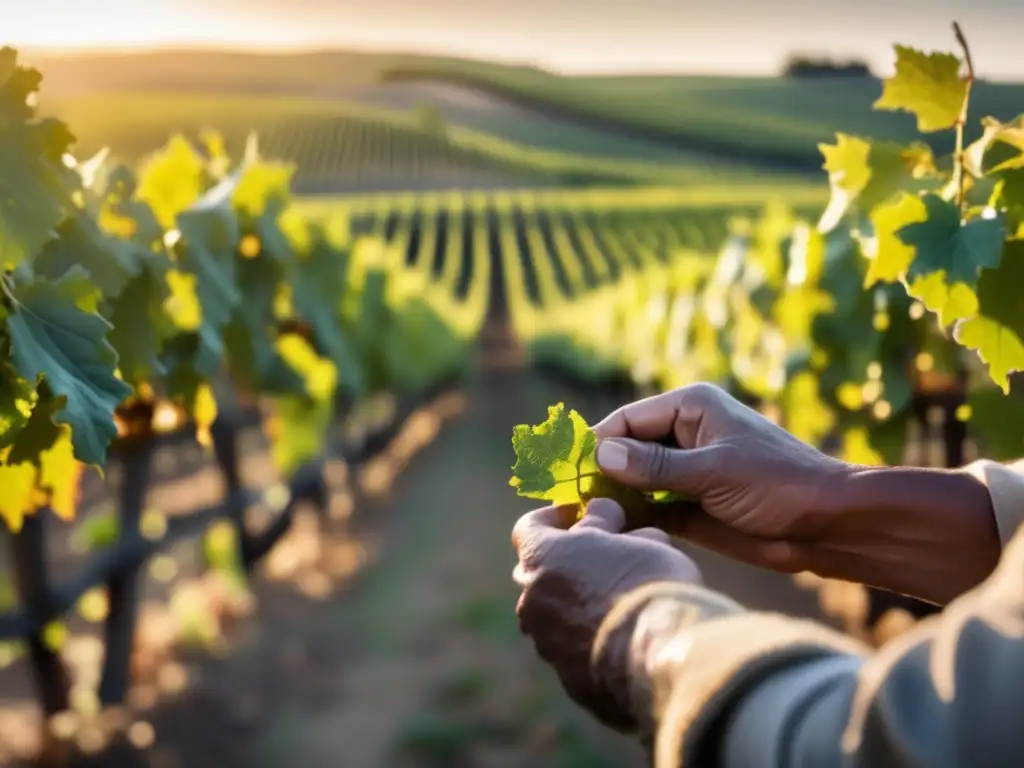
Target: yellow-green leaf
x: 928, y: 85
x: 892, y: 257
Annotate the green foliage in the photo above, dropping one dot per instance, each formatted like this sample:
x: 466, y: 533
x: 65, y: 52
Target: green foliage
x: 833, y: 330
x: 120, y: 288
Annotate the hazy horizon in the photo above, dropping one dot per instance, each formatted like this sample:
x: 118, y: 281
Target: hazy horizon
x: 642, y: 36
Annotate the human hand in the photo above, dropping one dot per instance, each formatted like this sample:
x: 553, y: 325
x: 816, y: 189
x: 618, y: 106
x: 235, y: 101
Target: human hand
x: 571, y: 574
x: 762, y: 491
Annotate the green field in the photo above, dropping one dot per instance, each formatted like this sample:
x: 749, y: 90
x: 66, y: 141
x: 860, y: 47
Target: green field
x: 341, y: 146
x: 769, y: 122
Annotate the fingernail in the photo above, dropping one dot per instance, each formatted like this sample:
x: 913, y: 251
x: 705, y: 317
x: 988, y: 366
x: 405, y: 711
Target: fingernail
x: 612, y: 455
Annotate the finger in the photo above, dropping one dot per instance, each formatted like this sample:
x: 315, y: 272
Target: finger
x: 653, y: 467
x: 539, y: 523
x: 674, y: 414
x: 651, y: 534
x: 604, y: 515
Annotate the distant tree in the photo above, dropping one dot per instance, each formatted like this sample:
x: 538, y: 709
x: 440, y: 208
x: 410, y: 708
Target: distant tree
x: 806, y: 66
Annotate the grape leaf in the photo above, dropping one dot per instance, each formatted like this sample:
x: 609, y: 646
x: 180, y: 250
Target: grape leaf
x: 927, y: 85
x: 1001, y: 147
x: 108, y: 261
x: 52, y: 337
x: 18, y: 497
x: 557, y: 461
x: 139, y: 322
x: 997, y: 332
x: 318, y: 288
x: 206, y: 252
x: 263, y: 187
x: 942, y: 242
x: 125, y: 216
x: 299, y: 427
x: 171, y: 180
x: 247, y: 338
x: 35, y: 186
x: 59, y: 473
x: 51, y: 479
x: 15, y: 402
x: 892, y: 257
x: 950, y: 302
x: 551, y: 457
x: 40, y: 431
x: 209, y: 238
x: 864, y: 174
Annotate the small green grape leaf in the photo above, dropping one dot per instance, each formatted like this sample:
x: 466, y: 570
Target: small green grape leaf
x: 52, y: 337
x: 927, y: 85
x: 997, y: 332
x: 942, y: 242
x: 549, y: 456
x: 557, y: 461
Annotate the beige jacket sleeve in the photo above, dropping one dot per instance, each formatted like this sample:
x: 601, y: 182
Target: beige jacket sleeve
x: 720, y: 686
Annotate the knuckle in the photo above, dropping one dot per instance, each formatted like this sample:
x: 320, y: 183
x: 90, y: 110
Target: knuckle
x: 701, y: 392
x: 656, y: 463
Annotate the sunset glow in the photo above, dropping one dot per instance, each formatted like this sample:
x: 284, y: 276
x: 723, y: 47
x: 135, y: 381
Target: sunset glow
x: 644, y: 35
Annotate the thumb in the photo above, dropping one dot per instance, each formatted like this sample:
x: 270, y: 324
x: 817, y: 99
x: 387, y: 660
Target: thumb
x: 654, y: 467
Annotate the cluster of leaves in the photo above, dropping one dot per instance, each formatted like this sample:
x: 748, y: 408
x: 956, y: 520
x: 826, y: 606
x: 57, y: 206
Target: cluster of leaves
x: 945, y: 233
x: 122, y: 290
x: 952, y: 234
x: 836, y: 329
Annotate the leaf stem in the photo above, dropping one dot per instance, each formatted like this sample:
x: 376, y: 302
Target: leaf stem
x: 578, y: 477
x: 959, y: 157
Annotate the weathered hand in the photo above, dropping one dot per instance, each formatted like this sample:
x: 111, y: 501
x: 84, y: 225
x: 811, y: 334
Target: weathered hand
x: 571, y: 574
x: 761, y: 489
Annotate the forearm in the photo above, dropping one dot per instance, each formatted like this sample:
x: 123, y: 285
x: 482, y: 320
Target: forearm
x: 927, y: 533
x: 689, y: 652
x: 714, y: 685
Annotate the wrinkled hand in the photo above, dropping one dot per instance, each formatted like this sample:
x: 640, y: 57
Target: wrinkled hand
x: 762, y: 491
x: 571, y: 574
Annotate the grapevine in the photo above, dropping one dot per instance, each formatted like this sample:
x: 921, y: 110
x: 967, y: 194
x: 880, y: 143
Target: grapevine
x: 141, y: 302
x: 906, y: 291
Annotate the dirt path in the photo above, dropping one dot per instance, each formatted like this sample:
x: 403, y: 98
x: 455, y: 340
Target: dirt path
x: 438, y: 674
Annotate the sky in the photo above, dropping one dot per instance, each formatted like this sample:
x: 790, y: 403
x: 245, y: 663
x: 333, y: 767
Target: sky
x: 722, y: 36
